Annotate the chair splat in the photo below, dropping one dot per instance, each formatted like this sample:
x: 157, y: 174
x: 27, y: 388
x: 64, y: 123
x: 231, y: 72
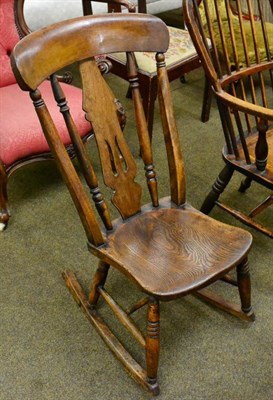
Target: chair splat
x: 118, y: 165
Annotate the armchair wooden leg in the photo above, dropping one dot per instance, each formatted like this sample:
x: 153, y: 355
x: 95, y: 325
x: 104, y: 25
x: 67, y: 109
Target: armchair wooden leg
x: 152, y: 342
x: 217, y: 188
x: 98, y: 281
x: 244, y: 286
x: 4, y: 212
x: 245, y: 184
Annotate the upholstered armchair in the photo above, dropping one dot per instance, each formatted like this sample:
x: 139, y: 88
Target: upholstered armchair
x: 21, y: 137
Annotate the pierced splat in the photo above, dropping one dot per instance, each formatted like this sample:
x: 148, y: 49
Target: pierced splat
x: 118, y: 165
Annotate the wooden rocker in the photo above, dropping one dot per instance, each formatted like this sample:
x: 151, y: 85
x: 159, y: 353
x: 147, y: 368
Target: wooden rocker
x: 167, y: 248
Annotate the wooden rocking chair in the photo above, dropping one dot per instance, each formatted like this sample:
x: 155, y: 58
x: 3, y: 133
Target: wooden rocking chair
x: 166, y: 248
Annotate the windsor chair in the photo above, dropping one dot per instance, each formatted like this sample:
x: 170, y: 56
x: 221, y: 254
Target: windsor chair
x: 166, y: 248
x: 180, y: 60
x: 240, y: 71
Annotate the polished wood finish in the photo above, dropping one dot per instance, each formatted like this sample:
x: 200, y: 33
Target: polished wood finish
x: 148, y: 81
x: 242, y: 80
x: 166, y: 247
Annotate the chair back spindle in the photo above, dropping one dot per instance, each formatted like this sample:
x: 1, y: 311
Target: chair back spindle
x: 142, y: 129
x: 81, y: 153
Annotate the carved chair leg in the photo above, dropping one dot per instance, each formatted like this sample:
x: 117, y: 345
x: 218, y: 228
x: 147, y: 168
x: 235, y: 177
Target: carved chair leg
x: 207, y: 98
x: 4, y: 212
x: 217, y: 188
x: 152, y: 341
x: 244, y: 286
x: 245, y: 184
x: 98, y: 281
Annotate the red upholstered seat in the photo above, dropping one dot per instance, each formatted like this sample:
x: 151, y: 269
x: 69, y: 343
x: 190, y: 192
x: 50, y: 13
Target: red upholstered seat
x: 21, y: 135
x: 20, y: 132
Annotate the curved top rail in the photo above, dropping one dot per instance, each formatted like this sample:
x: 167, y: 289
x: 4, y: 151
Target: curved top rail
x: 43, y: 52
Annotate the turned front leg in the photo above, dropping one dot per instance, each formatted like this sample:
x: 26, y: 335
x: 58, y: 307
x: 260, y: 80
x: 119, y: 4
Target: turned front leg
x: 245, y: 184
x: 244, y: 286
x: 152, y: 340
x: 217, y: 188
x: 261, y: 149
x: 98, y: 281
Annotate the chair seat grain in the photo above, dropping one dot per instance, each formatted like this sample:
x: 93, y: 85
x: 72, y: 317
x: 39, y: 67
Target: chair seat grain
x: 171, y: 252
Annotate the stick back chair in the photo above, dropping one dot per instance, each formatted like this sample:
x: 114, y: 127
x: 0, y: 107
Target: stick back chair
x: 180, y: 60
x: 166, y: 248
x: 21, y: 138
x: 241, y: 74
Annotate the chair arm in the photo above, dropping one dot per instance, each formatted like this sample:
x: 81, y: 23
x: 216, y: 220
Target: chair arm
x: 244, y: 106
